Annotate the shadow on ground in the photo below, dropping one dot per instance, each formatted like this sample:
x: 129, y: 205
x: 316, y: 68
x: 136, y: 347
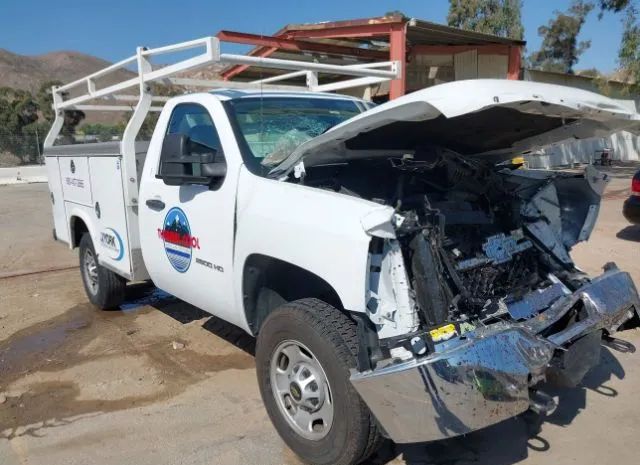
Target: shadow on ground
x: 630, y: 233
x: 620, y: 169
x: 510, y: 441
x: 506, y: 443
x: 146, y: 294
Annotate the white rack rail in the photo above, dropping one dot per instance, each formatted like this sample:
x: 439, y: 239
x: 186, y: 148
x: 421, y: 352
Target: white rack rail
x: 365, y: 74
x: 86, y: 91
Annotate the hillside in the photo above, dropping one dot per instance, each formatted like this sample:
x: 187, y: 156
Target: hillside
x: 29, y: 72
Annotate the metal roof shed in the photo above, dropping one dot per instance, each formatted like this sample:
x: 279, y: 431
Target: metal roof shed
x: 429, y: 53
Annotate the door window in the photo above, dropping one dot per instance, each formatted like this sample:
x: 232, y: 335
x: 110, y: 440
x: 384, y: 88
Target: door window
x: 194, y: 120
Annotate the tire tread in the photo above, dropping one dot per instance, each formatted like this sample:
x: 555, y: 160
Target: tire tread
x: 338, y: 329
x: 111, y: 287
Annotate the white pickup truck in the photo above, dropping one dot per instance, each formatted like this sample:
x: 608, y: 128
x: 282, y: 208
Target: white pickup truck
x: 402, y: 277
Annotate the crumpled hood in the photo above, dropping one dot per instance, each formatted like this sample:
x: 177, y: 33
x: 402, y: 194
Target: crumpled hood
x: 473, y: 117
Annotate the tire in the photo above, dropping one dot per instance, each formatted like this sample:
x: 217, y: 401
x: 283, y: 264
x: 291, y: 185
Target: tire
x: 328, y: 337
x: 104, y: 288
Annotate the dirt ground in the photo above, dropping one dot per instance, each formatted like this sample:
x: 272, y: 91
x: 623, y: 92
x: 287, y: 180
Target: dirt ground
x: 160, y: 382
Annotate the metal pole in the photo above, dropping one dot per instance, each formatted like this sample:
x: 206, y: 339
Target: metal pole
x: 38, y: 145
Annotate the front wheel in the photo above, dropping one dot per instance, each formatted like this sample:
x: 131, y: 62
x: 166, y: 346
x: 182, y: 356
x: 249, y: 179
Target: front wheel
x: 303, y: 355
x: 104, y: 288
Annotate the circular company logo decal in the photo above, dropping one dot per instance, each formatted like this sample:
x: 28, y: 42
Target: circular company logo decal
x: 112, y: 243
x: 177, y: 238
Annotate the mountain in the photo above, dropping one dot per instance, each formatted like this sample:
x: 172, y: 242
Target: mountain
x: 29, y: 72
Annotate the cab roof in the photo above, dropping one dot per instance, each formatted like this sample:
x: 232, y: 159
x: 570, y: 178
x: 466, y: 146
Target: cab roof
x: 236, y: 94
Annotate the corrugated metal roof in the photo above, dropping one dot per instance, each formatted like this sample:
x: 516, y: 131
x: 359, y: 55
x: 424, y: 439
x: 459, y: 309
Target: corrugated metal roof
x: 428, y: 33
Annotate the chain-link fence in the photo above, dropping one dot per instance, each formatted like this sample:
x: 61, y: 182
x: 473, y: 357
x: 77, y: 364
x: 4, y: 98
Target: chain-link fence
x: 25, y: 147
x: 20, y: 148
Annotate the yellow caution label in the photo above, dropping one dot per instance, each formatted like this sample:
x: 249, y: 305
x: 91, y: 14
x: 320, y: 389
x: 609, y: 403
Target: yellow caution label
x: 443, y: 333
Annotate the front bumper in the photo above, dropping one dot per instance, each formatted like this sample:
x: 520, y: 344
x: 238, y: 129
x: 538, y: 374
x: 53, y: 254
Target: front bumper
x: 485, y: 376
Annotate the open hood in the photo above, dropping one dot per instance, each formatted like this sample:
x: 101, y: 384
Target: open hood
x: 473, y: 117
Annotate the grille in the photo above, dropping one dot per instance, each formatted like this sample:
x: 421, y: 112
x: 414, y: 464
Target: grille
x: 488, y: 282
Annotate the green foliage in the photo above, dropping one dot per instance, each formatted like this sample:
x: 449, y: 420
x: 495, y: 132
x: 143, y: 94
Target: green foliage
x: 25, y: 120
x: 18, y: 110
x: 45, y: 100
x: 497, y: 17
x: 629, y: 51
x: 590, y: 72
x: 615, y: 6
x: 560, y: 49
x: 103, y: 132
x: 395, y: 13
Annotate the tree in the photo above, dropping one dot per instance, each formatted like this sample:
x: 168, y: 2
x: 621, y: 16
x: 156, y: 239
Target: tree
x: 560, y: 49
x: 45, y: 100
x: 72, y: 118
x: 18, y: 110
x: 497, y: 17
x: 629, y: 51
x: 615, y: 6
x: 395, y: 13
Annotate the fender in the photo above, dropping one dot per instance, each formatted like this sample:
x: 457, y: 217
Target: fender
x: 318, y: 231
x: 79, y: 211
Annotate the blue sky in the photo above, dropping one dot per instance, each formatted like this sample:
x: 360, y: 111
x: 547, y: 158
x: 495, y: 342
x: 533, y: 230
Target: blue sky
x: 112, y: 29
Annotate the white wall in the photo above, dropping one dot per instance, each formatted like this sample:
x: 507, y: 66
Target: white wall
x: 23, y: 174
x: 625, y: 145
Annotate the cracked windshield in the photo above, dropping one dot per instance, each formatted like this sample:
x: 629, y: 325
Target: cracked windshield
x: 273, y: 127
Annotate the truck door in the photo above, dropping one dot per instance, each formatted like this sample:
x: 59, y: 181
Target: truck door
x: 187, y: 230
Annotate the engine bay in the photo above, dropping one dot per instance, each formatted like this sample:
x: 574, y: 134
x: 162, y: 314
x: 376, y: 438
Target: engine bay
x: 470, y: 224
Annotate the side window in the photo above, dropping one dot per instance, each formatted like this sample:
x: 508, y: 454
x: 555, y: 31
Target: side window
x: 194, y: 120
x: 191, y: 151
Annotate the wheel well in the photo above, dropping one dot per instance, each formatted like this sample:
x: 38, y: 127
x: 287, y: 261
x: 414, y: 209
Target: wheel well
x: 268, y: 283
x: 78, y: 228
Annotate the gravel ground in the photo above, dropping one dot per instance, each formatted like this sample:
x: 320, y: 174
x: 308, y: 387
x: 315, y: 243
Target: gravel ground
x: 164, y: 383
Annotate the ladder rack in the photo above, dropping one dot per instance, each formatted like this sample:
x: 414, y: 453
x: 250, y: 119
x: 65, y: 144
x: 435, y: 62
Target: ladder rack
x: 86, y: 90
x: 360, y: 75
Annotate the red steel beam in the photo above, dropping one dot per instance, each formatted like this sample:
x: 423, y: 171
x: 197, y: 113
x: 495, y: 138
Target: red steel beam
x: 515, y: 63
x: 394, y: 27
x: 398, y: 52
x: 237, y: 69
x: 282, y: 43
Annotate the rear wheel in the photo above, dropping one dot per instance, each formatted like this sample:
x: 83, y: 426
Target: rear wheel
x: 303, y: 355
x: 104, y: 288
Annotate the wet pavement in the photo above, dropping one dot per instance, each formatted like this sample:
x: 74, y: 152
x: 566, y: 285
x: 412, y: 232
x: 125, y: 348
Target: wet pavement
x: 161, y: 382
x: 44, y: 364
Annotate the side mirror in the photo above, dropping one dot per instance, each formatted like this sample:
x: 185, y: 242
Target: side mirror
x: 184, y: 161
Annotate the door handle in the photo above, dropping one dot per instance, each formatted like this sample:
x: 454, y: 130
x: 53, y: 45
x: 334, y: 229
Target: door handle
x: 155, y: 204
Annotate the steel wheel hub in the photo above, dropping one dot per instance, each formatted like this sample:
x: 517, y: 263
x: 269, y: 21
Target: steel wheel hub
x: 90, y: 270
x: 302, y: 390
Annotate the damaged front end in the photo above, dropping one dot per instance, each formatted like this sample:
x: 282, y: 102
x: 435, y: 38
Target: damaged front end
x: 489, y: 374
x: 472, y: 298
x: 499, y: 306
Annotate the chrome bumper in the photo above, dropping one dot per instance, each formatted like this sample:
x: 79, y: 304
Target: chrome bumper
x: 485, y: 378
